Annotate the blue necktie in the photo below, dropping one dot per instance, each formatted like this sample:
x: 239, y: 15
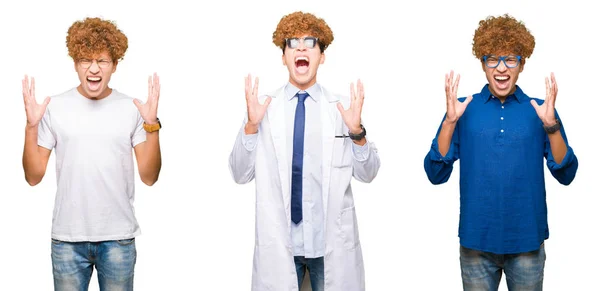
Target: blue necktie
x: 297, y: 157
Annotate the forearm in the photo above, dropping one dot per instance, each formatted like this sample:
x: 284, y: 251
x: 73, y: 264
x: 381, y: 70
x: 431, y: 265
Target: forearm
x: 151, y: 163
x: 33, y: 164
x: 439, y: 161
x: 445, y: 137
x: 558, y: 146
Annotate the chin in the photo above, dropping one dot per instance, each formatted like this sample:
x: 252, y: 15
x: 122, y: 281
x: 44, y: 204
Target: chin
x: 303, y: 80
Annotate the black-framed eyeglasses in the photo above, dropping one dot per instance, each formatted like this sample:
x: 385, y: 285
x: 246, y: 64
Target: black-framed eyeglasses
x: 86, y: 63
x: 309, y: 42
x: 510, y: 61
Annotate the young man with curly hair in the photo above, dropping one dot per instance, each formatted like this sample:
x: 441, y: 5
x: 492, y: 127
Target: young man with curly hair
x: 302, y: 145
x: 501, y: 136
x: 93, y: 129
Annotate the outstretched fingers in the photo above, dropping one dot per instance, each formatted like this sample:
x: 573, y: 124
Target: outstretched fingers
x: 255, y: 88
x: 553, y: 90
x: 150, y: 89
x: 361, y: 91
x: 455, y: 86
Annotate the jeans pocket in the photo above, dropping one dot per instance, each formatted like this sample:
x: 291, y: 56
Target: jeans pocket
x: 56, y: 242
x: 125, y: 242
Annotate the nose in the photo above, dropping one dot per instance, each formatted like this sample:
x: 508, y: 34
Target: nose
x: 301, y: 46
x: 94, y: 68
x: 501, y: 66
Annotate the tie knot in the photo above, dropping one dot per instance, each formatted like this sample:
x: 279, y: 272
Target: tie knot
x: 302, y: 96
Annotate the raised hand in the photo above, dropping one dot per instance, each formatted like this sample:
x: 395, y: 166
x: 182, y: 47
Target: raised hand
x: 256, y: 111
x: 546, y: 110
x: 352, y: 116
x: 454, y: 108
x: 33, y: 110
x: 148, y: 110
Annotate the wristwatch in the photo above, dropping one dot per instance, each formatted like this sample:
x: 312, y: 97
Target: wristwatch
x: 152, y: 127
x: 553, y: 128
x: 359, y: 136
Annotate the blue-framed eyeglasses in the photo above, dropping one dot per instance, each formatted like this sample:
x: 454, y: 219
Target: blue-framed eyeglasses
x: 510, y: 61
x: 309, y: 42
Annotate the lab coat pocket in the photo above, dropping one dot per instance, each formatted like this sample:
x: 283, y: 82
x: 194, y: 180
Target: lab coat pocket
x: 266, y: 225
x: 348, y: 226
x: 342, y: 157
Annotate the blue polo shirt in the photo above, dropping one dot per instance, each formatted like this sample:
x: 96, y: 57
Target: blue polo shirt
x: 501, y: 147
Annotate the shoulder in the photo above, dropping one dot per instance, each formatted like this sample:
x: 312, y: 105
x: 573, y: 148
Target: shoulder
x: 335, y: 96
x: 66, y: 94
x: 273, y: 94
x: 123, y: 99
x: 118, y: 95
x: 62, y: 99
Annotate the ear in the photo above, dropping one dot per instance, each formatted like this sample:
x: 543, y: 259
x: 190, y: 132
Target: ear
x: 483, y: 66
x: 522, y: 66
x: 115, y: 66
x: 283, y: 59
x: 322, y: 58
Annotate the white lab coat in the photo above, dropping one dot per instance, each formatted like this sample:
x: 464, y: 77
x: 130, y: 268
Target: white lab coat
x: 268, y: 164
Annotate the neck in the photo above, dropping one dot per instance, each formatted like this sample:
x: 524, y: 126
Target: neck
x: 305, y: 85
x: 502, y: 98
x: 102, y: 95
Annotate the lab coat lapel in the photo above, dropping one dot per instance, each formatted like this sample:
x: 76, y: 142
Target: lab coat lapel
x: 329, y: 118
x: 277, y: 120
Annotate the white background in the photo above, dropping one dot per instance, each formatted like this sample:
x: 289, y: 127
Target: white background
x: 198, y: 225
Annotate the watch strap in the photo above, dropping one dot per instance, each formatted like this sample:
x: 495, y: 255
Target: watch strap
x: 153, y: 127
x: 553, y: 128
x: 359, y: 136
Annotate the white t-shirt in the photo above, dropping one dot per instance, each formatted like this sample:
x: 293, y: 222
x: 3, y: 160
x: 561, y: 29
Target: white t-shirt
x: 93, y: 140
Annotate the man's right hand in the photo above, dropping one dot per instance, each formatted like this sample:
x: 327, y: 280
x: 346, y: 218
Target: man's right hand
x: 454, y: 108
x: 256, y: 111
x: 33, y: 110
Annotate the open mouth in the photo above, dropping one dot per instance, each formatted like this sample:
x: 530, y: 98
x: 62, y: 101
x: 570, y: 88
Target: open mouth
x: 94, y: 82
x: 301, y: 65
x: 502, y: 81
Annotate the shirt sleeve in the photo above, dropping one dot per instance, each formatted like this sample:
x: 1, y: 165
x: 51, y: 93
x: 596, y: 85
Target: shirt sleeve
x: 564, y: 172
x: 360, y: 152
x: 249, y: 140
x: 243, y: 156
x: 46, y: 136
x: 139, y: 133
x: 437, y: 167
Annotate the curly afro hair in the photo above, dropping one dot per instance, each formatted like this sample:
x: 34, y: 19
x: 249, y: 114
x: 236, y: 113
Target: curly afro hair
x: 502, y: 34
x: 93, y: 36
x: 298, y: 23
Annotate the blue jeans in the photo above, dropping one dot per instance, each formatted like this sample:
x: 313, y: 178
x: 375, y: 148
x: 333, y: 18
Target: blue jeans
x: 73, y: 264
x: 316, y: 271
x: 483, y: 270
